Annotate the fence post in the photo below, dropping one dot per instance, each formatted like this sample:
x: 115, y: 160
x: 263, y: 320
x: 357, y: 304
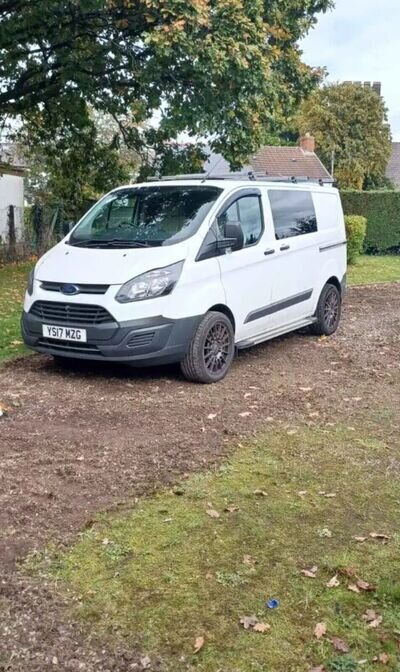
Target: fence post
x: 12, y: 236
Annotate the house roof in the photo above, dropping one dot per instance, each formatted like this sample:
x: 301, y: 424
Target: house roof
x: 289, y: 162
x: 276, y: 162
x: 393, y: 168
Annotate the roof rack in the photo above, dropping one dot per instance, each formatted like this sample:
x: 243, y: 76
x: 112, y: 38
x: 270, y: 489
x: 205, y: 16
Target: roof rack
x: 250, y: 175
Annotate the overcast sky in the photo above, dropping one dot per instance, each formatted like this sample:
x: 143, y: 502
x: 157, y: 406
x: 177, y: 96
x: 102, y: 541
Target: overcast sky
x: 360, y: 40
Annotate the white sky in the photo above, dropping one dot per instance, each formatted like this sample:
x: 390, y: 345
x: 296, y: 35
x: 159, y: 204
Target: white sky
x: 359, y: 40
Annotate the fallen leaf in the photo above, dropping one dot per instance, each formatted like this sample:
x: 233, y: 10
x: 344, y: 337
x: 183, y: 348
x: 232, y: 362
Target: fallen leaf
x: 320, y: 668
x: 302, y: 493
x: 310, y: 573
x: 231, y: 508
x: 320, y: 630
x: 145, y: 662
x: 245, y: 414
x: 212, y: 513
x: 348, y: 571
x: 383, y: 658
x: 353, y: 588
x: 379, y: 535
x: 329, y: 495
x: 248, y: 621
x: 249, y: 560
x: 261, y: 627
x: 376, y: 622
x: 291, y: 432
x: 370, y: 615
x: 211, y: 416
x: 364, y: 585
x: 260, y: 493
x: 340, y: 645
x: 333, y: 582
x: 360, y: 539
x: 198, y: 644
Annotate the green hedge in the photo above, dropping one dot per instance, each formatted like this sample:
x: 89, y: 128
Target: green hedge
x: 382, y: 211
x: 356, y: 229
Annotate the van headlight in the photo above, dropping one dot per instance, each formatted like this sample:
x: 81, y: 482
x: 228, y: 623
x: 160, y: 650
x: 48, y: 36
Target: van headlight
x: 151, y: 284
x: 31, y: 278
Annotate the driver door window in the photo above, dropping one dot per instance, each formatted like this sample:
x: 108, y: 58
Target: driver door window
x: 246, y: 211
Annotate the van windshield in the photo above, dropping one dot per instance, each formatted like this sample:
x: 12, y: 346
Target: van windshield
x: 145, y: 216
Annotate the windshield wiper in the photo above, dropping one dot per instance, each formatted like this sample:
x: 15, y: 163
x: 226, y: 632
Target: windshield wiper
x: 114, y: 242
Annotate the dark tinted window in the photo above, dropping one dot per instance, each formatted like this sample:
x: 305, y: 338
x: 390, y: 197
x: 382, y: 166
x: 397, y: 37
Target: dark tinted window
x: 293, y: 212
x: 247, y: 211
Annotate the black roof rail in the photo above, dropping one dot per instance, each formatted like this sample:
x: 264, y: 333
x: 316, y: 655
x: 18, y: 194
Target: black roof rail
x: 250, y: 175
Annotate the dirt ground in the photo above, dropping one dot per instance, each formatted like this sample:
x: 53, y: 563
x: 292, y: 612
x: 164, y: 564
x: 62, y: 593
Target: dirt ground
x: 78, y: 441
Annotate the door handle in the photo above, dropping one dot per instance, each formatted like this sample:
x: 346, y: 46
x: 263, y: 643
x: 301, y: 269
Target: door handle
x: 284, y: 247
x: 269, y: 250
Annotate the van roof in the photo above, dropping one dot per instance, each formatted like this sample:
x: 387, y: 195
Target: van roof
x: 232, y: 181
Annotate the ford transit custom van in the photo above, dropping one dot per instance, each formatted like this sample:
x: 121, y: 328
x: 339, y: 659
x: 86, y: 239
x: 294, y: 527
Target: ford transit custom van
x: 190, y: 269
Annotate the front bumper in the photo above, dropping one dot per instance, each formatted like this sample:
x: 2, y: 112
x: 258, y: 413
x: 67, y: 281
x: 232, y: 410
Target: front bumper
x: 147, y: 341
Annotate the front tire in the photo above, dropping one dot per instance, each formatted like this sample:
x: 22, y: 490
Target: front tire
x: 328, y: 311
x: 211, y: 350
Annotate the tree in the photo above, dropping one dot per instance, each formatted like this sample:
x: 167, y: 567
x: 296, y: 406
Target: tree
x: 226, y: 69
x: 349, y: 123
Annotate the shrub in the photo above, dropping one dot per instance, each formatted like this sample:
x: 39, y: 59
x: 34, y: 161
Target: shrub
x: 382, y: 210
x: 356, y: 229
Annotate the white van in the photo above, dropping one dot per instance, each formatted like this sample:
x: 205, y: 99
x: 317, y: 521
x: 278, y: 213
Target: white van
x: 188, y: 269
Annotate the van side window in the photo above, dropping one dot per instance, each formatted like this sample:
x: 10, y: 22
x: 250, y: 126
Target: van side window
x: 293, y: 212
x: 246, y: 211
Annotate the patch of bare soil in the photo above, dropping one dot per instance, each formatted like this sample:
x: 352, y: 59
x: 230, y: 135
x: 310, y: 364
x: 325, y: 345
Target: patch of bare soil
x: 77, y: 441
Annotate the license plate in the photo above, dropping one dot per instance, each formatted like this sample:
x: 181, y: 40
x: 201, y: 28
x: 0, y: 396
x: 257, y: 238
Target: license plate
x: 64, y: 333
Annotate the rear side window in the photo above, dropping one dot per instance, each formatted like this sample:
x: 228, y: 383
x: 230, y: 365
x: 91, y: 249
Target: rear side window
x: 247, y: 211
x: 293, y: 213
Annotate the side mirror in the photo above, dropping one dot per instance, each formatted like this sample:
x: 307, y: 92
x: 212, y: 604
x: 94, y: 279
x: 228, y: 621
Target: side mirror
x: 233, y: 235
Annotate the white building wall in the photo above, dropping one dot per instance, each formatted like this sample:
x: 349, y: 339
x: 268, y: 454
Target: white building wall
x: 11, y: 193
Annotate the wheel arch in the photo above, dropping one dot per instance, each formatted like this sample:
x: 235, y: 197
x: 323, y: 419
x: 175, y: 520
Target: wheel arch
x: 222, y: 308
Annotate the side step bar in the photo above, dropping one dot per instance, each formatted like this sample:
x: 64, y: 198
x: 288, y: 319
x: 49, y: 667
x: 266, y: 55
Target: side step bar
x: 273, y: 333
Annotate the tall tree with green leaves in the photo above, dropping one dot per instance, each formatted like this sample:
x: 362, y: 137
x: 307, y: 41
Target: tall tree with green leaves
x: 350, y: 126
x: 226, y: 69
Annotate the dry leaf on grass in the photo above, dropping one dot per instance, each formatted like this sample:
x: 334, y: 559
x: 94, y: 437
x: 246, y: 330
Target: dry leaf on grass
x: 212, y: 513
x: 231, y: 508
x: 198, y: 644
x: 249, y: 560
x: 320, y: 630
x: 310, y: 573
x: 261, y: 627
x: 248, y: 621
x: 360, y: 539
x: 333, y: 582
x: 379, y: 535
x: 320, y: 668
x: 340, y: 645
x: 260, y: 493
x: 382, y: 658
x: 370, y: 615
x: 376, y: 622
x: 353, y: 588
x: 364, y: 585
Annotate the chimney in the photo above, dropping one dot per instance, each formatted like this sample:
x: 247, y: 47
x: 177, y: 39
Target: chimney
x: 307, y: 143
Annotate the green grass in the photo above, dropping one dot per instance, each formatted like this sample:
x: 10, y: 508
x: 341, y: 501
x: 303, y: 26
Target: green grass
x: 168, y: 572
x: 370, y: 269
x: 13, y: 279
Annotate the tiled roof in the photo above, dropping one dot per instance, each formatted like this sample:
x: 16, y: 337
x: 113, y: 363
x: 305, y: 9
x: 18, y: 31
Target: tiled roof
x: 275, y: 161
x: 393, y: 169
x: 289, y: 162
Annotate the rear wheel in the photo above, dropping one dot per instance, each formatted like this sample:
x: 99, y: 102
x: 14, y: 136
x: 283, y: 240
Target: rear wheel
x: 211, y: 350
x: 328, y: 311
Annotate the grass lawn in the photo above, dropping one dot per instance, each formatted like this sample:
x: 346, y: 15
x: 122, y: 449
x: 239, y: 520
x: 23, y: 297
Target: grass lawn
x: 13, y: 279
x: 369, y: 270
x: 190, y: 562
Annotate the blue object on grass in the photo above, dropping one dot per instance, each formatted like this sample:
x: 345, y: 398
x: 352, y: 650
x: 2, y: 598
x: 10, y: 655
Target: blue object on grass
x: 272, y: 604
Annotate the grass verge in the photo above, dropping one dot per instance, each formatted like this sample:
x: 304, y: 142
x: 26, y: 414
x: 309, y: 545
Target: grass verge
x: 12, y: 288
x: 191, y: 562
x: 369, y: 270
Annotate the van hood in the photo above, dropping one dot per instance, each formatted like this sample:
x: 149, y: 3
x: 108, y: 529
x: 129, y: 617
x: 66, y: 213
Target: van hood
x: 81, y: 265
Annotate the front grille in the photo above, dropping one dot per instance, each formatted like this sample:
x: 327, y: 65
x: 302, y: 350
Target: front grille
x: 83, y: 289
x: 68, y: 346
x: 141, y: 339
x: 70, y: 313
